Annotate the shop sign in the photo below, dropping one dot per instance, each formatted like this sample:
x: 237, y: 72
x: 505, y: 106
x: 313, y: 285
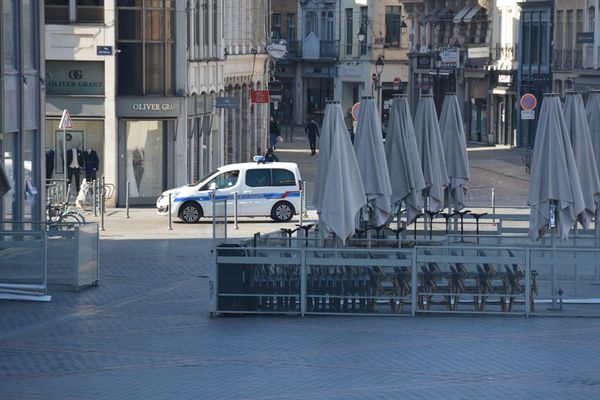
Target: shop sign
x: 449, y: 58
x: 154, y: 106
x: 67, y: 78
x: 478, y: 52
x: 226, y: 102
x: 585, y: 37
x: 527, y: 114
x: 423, y: 62
x: 277, y: 50
x: 505, y: 79
x: 259, y: 96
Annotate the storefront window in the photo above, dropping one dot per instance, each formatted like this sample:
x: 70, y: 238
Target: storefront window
x: 8, y: 145
x: 145, y: 162
x: 31, y: 197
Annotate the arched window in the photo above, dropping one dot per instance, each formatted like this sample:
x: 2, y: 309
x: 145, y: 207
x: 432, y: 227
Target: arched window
x: 311, y: 23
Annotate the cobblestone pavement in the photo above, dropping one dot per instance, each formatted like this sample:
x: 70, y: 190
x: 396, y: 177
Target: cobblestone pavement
x: 145, y: 333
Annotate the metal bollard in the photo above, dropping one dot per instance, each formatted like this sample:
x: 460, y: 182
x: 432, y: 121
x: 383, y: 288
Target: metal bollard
x: 102, y: 204
x: 301, y: 213
x: 305, y: 207
x: 127, y: 200
x: 494, y: 205
x: 170, y: 210
x: 235, y: 210
x: 94, y: 199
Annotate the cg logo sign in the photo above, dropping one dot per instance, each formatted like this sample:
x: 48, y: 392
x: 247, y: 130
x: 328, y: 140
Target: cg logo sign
x: 75, y: 74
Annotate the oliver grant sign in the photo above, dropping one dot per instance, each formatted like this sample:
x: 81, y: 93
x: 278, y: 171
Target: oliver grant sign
x: 67, y: 78
x: 154, y: 106
x: 149, y: 107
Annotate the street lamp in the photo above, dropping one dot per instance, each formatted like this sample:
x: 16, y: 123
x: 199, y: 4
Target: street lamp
x: 362, y: 35
x: 379, y: 70
x: 403, y: 27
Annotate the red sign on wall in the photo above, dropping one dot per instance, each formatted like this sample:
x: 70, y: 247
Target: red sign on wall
x: 259, y: 96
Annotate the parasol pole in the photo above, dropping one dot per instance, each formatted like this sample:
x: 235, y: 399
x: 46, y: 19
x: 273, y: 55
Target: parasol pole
x: 553, y: 224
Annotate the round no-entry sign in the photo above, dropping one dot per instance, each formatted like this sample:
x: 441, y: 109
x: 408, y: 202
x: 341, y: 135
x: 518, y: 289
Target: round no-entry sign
x: 356, y: 111
x: 528, y: 102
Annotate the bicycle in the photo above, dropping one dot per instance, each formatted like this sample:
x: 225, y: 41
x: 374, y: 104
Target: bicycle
x: 60, y: 217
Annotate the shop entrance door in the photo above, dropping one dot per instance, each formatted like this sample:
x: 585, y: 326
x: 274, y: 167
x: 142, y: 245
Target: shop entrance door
x: 144, y: 160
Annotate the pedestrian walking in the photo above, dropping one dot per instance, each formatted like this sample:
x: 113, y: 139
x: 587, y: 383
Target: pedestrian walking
x: 312, y: 130
x: 274, y: 133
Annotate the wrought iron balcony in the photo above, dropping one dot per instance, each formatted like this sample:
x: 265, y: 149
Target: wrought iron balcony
x: 328, y: 49
x: 567, y: 59
x: 578, y: 58
x: 557, y: 58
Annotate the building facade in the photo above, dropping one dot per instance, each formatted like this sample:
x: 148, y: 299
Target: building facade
x: 141, y: 80
x: 21, y: 126
x: 246, y: 31
x: 535, y: 61
x: 450, y: 52
x: 504, y: 113
x: 372, y: 31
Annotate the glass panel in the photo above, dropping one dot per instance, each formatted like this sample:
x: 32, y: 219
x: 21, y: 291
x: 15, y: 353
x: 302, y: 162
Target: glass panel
x: 130, y: 25
x: 155, y: 68
x: 130, y: 69
x: 283, y: 177
x: 349, y: 34
x: 154, y: 26
x: 28, y: 34
x: 32, y: 195
x: 145, y: 157
x: 31, y: 103
x: 90, y: 11
x: 11, y: 97
x: 258, y: 177
x: 8, y: 34
x: 57, y: 11
x: 223, y: 181
x: 8, y: 145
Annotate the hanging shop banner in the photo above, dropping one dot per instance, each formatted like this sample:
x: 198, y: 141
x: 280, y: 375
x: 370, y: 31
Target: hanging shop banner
x: 449, y: 58
x: 259, y: 96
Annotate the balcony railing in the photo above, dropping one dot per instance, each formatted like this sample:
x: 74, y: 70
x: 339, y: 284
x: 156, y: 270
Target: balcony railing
x: 557, y: 58
x: 328, y: 49
x: 578, y: 58
x: 567, y: 59
x: 506, y: 52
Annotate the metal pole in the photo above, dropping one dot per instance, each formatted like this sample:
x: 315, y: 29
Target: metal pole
x: 494, y: 205
x: 102, y: 205
x: 170, y: 215
x: 305, y: 207
x: 235, y: 210
x: 94, y: 199
x: 301, y: 213
x: 127, y: 200
x: 66, y: 193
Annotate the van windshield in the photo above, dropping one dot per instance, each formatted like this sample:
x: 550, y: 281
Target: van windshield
x: 205, y: 177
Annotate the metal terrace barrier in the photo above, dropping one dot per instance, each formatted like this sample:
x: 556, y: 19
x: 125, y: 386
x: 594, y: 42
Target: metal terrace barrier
x: 33, y: 257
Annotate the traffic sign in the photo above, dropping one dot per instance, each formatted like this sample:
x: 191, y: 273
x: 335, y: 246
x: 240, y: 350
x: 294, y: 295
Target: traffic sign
x: 528, y: 102
x: 374, y: 77
x: 65, y: 121
x: 527, y: 114
x: 356, y: 111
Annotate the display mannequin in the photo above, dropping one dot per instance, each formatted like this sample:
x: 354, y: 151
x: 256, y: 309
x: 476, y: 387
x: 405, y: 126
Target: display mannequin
x: 74, y: 164
x: 49, y: 163
x: 92, y: 162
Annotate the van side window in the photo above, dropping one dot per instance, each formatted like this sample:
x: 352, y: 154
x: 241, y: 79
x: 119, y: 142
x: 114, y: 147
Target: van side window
x: 258, y: 177
x: 224, y: 180
x: 283, y: 177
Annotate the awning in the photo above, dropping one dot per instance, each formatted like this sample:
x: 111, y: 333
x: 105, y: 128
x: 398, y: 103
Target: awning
x: 461, y: 14
x: 471, y: 14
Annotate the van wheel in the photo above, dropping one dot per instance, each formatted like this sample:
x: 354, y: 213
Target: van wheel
x: 190, y: 213
x: 283, y: 211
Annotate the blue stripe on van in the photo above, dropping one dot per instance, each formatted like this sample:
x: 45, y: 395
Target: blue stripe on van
x: 267, y: 196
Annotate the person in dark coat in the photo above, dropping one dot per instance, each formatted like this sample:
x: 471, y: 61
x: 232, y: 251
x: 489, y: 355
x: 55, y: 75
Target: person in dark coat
x: 274, y: 132
x: 312, y: 130
x: 270, y: 156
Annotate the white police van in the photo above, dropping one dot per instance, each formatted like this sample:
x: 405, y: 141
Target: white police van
x: 269, y: 189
